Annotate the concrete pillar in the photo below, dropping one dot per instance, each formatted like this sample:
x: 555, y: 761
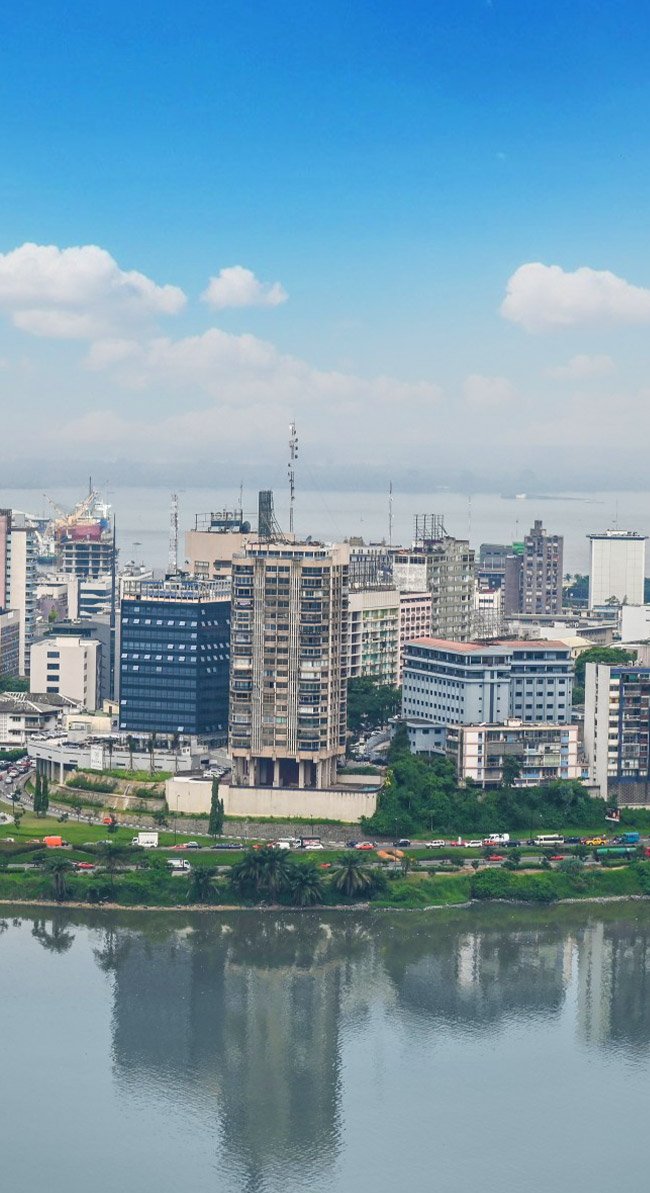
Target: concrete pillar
x: 61, y: 773
x: 301, y: 775
x: 276, y: 773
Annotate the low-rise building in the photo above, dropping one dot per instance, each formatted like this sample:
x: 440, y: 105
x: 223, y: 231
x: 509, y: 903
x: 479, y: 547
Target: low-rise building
x: 543, y: 753
x: 22, y: 716
x: 67, y: 666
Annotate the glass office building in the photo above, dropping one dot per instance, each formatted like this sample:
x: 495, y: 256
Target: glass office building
x: 175, y: 657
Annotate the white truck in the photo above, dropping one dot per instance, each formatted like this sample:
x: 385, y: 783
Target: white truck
x: 497, y: 839
x: 146, y: 840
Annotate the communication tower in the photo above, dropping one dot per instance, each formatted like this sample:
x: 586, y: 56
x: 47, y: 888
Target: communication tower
x: 293, y: 456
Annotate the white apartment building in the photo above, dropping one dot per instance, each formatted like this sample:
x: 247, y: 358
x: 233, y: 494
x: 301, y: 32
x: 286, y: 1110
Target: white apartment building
x: 617, y: 567
x: 288, y: 673
x: 21, y: 717
x: 22, y: 586
x: 9, y: 642
x: 414, y: 620
x: 617, y: 731
x: 374, y: 634
x: 544, y: 752
x: 488, y: 612
x: 447, y: 683
x: 67, y: 666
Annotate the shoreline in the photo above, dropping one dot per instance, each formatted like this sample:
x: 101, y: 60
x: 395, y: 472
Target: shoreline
x: 76, y: 905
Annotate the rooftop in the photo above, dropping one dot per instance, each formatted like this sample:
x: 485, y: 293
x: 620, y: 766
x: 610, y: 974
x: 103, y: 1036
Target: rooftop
x: 490, y: 644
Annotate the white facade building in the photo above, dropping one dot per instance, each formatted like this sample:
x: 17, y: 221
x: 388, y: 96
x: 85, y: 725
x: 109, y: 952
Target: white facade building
x: 447, y: 683
x: 414, y: 620
x: 543, y: 752
x: 67, y: 666
x: 617, y: 567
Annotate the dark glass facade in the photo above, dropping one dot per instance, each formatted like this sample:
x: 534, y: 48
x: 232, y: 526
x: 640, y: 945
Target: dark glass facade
x: 174, y: 664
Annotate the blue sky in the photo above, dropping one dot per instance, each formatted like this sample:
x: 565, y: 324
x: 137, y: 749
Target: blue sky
x: 391, y: 167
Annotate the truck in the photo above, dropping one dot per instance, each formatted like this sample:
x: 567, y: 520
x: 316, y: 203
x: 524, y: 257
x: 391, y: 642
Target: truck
x: 53, y: 842
x: 628, y: 839
x: 497, y: 839
x: 146, y: 840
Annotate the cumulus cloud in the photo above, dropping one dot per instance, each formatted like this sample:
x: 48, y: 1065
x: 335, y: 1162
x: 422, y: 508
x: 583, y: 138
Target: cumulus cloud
x: 487, y: 391
x: 582, y: 367
x: 241, y: 369
x: 540, y: 297
x: 78, y: 293
x: 238, y: 287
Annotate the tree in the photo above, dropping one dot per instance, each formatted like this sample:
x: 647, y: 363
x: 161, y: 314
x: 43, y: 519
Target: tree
x: 352, y: 877
x: 614, y: 656
x: 37, y: 795
x: 58, y: 868
x: 306, y: 886
x: 370, y: 704
x: 246, y: 875
x: 159, y: 816
x: 262, y: 873
x: 130, y: 745
x: 510, y: 770
x: 110, y: 854
x: 151, y: 746
x: 202, y: 885
x: 176, y: 745
x: 215, y: 824
x: 45, y: 795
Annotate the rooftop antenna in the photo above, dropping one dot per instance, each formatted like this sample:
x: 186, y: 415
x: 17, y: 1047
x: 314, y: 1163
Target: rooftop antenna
x: 173, y: 536
x: 390, y: 513
x: 293, y: 456
x: 469, y: 517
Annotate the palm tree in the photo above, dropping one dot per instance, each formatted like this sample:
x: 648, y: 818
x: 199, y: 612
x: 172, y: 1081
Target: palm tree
x: 351, y: 877
x: 58, y: 868
x: 56, y: 941
x: 277, y: 872
x: 176, y: 745
x: 151, y: 745
x: 202, y: 888
x: 246, y: 876
x: 306, y: 886
x: 130, y: 745
x: 110, y: 855
x: 109, y: 744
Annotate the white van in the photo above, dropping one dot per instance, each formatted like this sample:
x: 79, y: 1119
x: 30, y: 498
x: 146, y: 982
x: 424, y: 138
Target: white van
x: 549, y: 839
x: 178, y: 865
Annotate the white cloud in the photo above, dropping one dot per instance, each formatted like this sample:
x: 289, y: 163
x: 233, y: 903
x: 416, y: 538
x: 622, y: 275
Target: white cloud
x: 78, y: 293
x: 487, y: 391
x: 581, y: 367
x: 546, y: 296
x: 238, y: 287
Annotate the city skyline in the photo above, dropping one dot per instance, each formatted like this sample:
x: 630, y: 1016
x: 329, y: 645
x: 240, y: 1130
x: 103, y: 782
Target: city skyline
x: 417, y: 233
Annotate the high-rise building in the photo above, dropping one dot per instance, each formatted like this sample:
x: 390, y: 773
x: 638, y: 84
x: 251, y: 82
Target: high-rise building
x: 414, y: 620
x: 617, y: 568
x: 617, y: 731
x: 10, y: 643
x: 18, y: 550
x: 289, y: 661
x: 541, y: 581
x: 450, y: 575
x: 174, y: 657
x: 216, y: 537
x: 373, y: 634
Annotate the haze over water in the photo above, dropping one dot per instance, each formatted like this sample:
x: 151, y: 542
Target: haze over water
x: 143, y: 515
x: 267, y: 1053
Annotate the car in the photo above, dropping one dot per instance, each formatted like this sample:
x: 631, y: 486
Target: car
x: 315, y: 845
x: 192, y: 845
x: 84, y: 865
x: 362, y: 845
x: 496, y: 857
x: 475, y: 844
x: 558, y: 857
x: 181, y: 845
x: 439, y: 844
x: 403, y: 843
x: 351, y: 844
x: 228, y: 845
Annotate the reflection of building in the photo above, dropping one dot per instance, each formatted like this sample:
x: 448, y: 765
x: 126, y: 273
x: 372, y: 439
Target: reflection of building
x: 246, y: 1012
x: 613, y: 976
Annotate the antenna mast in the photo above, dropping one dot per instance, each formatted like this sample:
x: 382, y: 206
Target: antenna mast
x: 173, y: 536
x: 293, y: 456
x: 390, y: 514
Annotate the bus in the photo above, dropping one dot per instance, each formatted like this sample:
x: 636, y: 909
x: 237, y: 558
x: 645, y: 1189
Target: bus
x: 548, y: 839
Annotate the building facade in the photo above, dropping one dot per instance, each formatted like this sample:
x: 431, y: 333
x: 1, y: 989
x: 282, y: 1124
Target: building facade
x: 544, y: 753
x: 22, y: 586
x: 64, y: 665
x: 450, y: 580
x: 447, y: 683
x: 288, y: 675
x: 541, y: 579
x: 617, y: 731
x: 617, y: 568
x: 10, y: 643
x: 374, y: 634
x: 414, y: 620
x: 174, y: 657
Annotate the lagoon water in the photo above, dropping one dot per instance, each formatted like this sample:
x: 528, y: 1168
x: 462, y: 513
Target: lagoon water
x: 142, y: 514
x: 263, y: 1052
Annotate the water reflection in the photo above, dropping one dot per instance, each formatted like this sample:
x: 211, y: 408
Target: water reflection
x: 247, y: 1021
